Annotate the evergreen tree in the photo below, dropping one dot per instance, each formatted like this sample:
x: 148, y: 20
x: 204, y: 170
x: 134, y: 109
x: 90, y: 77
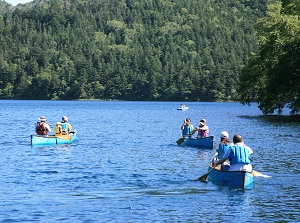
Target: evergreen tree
x: 126, y: 50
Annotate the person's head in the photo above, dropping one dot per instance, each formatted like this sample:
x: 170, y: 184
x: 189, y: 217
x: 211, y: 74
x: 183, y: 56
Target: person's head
x: 64, y: 119
x: 224, y: 137
x: 237, y: 138
x: 43, y: 119
x: 224, y: 134
x: 187, y: 121
x: 202, y: 122
x: 58, y: 123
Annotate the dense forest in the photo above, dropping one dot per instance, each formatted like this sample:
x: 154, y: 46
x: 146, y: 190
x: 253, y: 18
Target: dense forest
x: 187, y: 50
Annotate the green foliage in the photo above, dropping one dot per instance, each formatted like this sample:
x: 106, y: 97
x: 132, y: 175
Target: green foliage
x: 272, y: 76
x: 126, y: 50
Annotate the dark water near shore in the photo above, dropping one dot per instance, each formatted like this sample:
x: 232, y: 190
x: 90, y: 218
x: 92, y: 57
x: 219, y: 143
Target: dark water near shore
x: 126, y: 166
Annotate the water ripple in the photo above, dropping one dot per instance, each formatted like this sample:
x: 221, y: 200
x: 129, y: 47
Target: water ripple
x: 129, y: 169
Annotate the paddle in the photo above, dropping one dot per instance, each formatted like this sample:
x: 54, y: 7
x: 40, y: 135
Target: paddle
x: 204, y: 177
x: 181, y: 140
x: 258, y: 174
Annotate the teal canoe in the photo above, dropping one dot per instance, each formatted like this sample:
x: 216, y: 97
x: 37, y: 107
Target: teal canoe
x: 52, y: 139
x: 236, y: 179
x: 205, y: 142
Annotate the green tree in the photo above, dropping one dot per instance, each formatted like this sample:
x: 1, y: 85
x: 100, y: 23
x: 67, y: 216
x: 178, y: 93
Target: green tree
x: 272, y: 76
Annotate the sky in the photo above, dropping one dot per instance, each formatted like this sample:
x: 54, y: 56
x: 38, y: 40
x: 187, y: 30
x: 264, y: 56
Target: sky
x: 15, y: 2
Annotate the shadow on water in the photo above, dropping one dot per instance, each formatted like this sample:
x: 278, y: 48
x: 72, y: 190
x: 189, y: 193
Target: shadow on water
x: 275, y: 118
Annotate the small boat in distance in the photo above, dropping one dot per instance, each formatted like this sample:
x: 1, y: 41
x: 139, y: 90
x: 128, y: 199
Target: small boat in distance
x: 235, y: 179
x: 204, y: 142
x: 183, y: 107
x: 53, y: 139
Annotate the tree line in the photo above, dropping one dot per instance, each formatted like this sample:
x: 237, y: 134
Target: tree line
x: 188, y: 50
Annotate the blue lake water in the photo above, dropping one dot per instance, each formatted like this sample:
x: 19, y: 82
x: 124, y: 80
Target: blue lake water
x: 126, y: 167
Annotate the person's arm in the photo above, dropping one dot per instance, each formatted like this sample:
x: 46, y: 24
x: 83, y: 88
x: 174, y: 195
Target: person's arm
x: 225, y: 157
x: 205, y: 127
x: 70, y: 127
x: 182, y: 127
x: 47, y: 126
x: 221, y: 161
x: 249, y: 150
x: 214, y: 157
x: 191, y: 129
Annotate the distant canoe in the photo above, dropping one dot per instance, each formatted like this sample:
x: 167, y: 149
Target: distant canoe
x: 205, y: 142
x: 236, y: 179
x: 52, y: 139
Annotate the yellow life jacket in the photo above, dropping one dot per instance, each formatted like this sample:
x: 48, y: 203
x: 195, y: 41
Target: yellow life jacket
x: 57, y: 130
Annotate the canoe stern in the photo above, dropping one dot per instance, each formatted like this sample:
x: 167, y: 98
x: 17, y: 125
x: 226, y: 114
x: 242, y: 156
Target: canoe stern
x: 236, y: 179
x: 205, y: 142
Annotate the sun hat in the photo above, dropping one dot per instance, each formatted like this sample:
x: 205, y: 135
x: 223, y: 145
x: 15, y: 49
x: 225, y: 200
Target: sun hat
x: 202, y: 121
x: 224, y: 134
x: 58, y: 123
x: 65, y: 118
x: 43, y: 119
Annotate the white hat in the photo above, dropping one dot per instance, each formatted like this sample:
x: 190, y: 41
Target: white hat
x: 224, y: 134
x: 65, y: 118
x: 43, y: 119
x: 202, y: 121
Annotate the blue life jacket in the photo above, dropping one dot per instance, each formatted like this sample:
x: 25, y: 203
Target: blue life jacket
x: 223, y: 147
x: 239, y: 154
x: 64, y: 127
x: 187, y: 130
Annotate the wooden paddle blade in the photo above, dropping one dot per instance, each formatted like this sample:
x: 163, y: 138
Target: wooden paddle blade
x: 258, y: 174
x: 204, y: 177
x: 179, y: 141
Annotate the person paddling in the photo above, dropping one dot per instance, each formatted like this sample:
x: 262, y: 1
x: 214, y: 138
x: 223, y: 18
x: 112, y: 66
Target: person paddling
x: 66, y: 126
x: 239, y: 155
x: 58, y: 129
x: 223, y: 146
x: 202, y: 129
x: 187, y: 127
x: 42, y: 128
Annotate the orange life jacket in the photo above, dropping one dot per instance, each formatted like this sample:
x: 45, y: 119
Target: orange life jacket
x: 40, y: 129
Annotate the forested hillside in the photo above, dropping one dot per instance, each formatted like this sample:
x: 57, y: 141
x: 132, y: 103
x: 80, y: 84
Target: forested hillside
x: 125, y: 49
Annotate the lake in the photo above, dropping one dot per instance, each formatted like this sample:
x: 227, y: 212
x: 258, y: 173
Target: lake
x: 126, y: 167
